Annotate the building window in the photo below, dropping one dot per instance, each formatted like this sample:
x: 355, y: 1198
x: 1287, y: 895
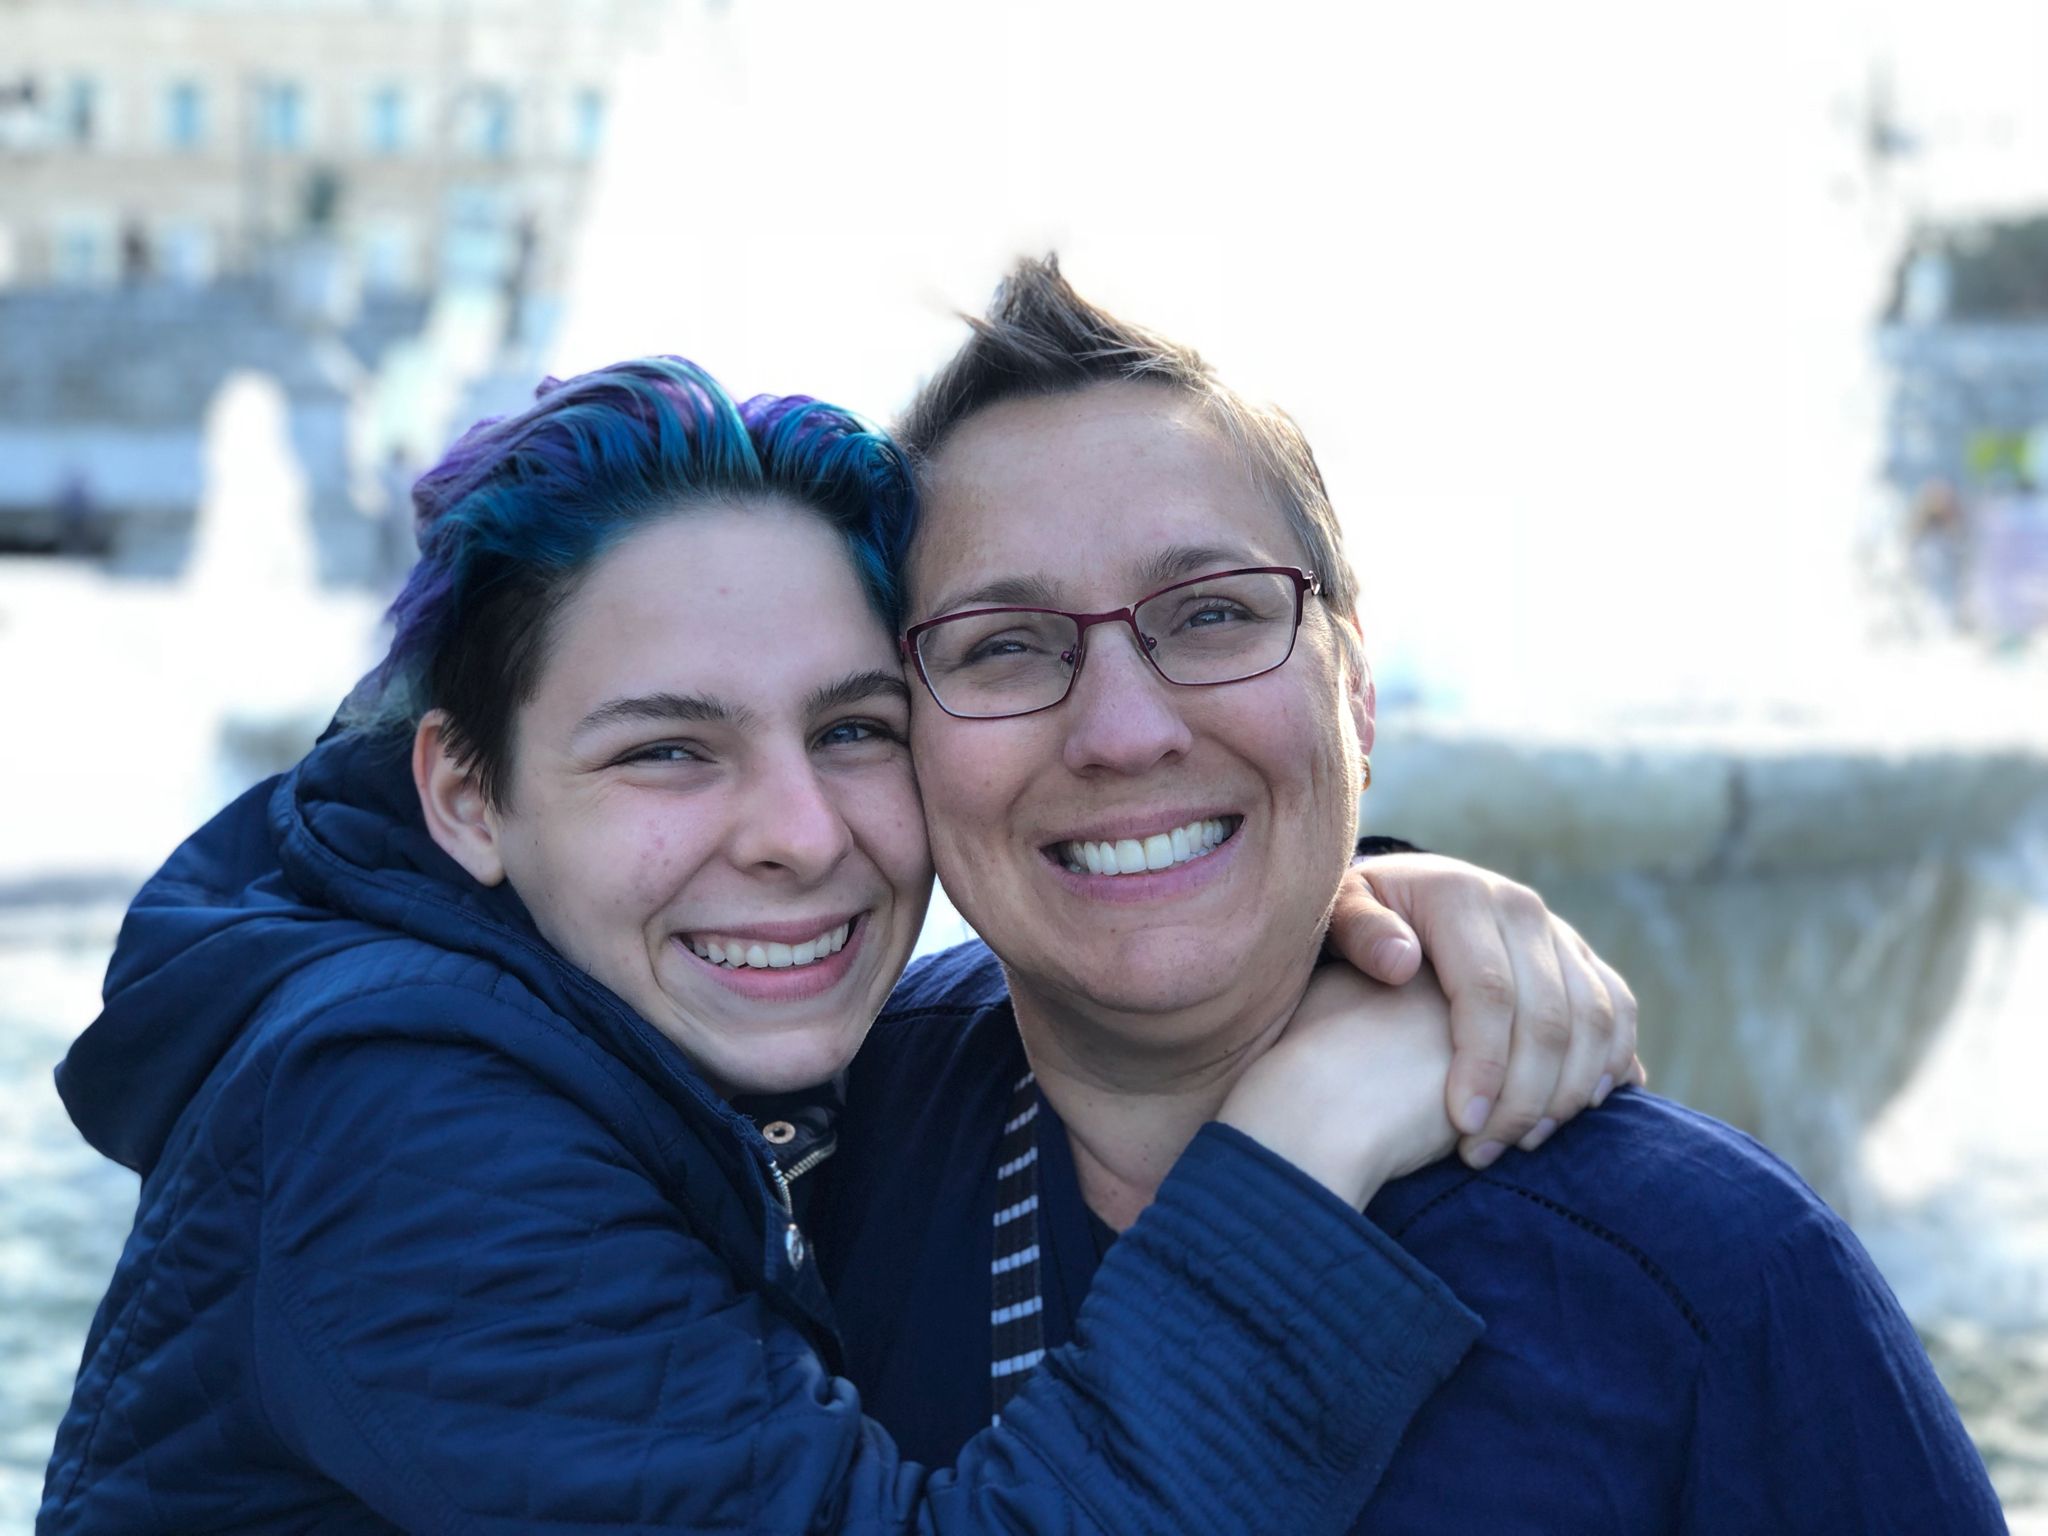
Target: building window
x: 281, y: 116
x: 185, y: 253
x: 589, y: 136
x: 390, y: 257
x: 387, y: 124
x: 21, y: 114
x: 82, y: 252
x: 78, y: 113
x: 476, y: 247
x: 490, y: 123
x: 184, y: 115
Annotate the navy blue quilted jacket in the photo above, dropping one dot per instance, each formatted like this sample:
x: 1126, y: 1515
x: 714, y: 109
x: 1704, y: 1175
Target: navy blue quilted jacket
x: 435, y: 1234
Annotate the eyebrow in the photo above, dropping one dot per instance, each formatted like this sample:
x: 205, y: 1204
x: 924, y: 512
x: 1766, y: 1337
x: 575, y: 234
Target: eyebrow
x: 697, y: 708
x: 1008, y: 592
x: 856, y: 688
x: 665, y: 707
x: 1163, y: 569
x: 1179, y: 561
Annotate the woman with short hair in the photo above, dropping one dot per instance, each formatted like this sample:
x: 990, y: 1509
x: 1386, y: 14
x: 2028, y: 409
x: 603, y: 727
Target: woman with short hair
x: 1126, y: 620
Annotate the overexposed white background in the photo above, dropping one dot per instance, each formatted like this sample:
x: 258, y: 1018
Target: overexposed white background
x: 1574, y: 300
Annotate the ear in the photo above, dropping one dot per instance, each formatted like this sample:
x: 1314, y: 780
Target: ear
x: 458, y: 817
x: 1358, y: 683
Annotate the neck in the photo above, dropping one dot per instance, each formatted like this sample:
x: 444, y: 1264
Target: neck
x: 1130, y: 1105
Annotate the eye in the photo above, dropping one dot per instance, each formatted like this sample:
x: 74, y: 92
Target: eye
x: 1213, y: 612
x: 853, y: 733
x: 664, y: 752
x: 999, y: 645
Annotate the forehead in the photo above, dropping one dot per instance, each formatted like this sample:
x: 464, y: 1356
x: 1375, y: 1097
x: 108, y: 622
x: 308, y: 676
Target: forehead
x: 689, y: 593
x: 1083, y: 493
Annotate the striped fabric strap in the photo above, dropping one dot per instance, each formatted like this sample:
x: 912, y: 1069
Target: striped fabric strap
x: 1016, y: 1314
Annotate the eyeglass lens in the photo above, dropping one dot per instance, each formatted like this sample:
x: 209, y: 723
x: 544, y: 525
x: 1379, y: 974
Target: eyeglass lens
x: 1216, y: 630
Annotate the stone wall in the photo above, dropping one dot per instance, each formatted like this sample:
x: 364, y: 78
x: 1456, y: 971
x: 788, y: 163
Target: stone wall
x: 1795, y: 921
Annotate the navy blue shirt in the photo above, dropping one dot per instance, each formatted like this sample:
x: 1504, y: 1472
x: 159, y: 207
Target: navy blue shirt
x: 1680, y: 1336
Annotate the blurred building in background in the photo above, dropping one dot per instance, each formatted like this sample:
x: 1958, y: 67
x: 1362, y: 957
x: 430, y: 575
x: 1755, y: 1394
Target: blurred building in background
x: 371, y: 201
x: 1966, y: 340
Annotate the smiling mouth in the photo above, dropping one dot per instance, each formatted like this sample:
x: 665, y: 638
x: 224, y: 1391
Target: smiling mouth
x: 742, y: 954
x: 1145, y: 855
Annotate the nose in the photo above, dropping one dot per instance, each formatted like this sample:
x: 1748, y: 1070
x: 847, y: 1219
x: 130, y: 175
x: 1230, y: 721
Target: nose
x: 1121, y: 714
x: 787, y: 821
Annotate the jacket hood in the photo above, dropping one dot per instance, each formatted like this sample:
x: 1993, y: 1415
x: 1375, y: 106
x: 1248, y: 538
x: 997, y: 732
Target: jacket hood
x: 329, y: 856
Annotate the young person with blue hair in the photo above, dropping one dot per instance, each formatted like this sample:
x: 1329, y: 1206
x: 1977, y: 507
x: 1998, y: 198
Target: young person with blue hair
x: 476, y: 1067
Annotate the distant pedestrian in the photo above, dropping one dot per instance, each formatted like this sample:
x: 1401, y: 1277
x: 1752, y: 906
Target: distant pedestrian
x: 1936, y: 545
x: 75, y: 516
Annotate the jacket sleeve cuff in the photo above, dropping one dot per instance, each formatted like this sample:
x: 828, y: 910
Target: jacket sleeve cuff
x: 1285, y: 1338
x: 1373, y: 847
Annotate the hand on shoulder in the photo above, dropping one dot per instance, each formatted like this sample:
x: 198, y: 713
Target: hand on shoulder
x: 1353, y: 1092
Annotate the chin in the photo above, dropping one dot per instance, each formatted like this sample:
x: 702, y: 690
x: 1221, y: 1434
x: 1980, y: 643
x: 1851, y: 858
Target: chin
x: 1156, y: 973
x: 784, y: 1066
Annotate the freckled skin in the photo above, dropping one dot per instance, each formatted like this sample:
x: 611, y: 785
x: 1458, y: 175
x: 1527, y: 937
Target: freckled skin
x: 618, y: 852
x: 1081, y: 490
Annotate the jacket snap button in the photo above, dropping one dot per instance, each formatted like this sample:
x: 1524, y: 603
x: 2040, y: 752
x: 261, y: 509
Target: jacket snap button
x: 779, y: 1132
x: 793, y: 1243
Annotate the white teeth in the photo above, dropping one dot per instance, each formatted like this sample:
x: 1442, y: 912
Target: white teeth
x: 1134, y: 856
x: 736, y: 955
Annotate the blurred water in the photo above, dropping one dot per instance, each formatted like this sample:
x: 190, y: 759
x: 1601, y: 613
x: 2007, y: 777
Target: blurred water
x: 213, y: 678
x: 1959, y: 1166
x: 64, y: 1210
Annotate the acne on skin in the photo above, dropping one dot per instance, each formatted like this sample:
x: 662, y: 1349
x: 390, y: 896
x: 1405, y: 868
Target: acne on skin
x: 729, y: 769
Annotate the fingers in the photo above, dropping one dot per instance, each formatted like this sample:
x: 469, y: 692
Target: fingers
x: 1622, y: 1065
x: 1478, y: 976
x: 1586, y: 1075
x: 1542, y: 1028
x: 1375, y: 939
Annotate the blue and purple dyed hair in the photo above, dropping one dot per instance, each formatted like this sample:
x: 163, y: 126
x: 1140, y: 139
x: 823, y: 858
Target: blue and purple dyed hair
x: 523, y: 505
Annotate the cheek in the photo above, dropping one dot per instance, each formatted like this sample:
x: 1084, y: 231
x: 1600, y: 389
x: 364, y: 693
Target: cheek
x: 887, y: 819
x: 971, y: 771
x: 1322, y: 718
x: 944, y: 759
x: 617, y: 864
x: 1325, y: 778
x: 1304, y: 749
